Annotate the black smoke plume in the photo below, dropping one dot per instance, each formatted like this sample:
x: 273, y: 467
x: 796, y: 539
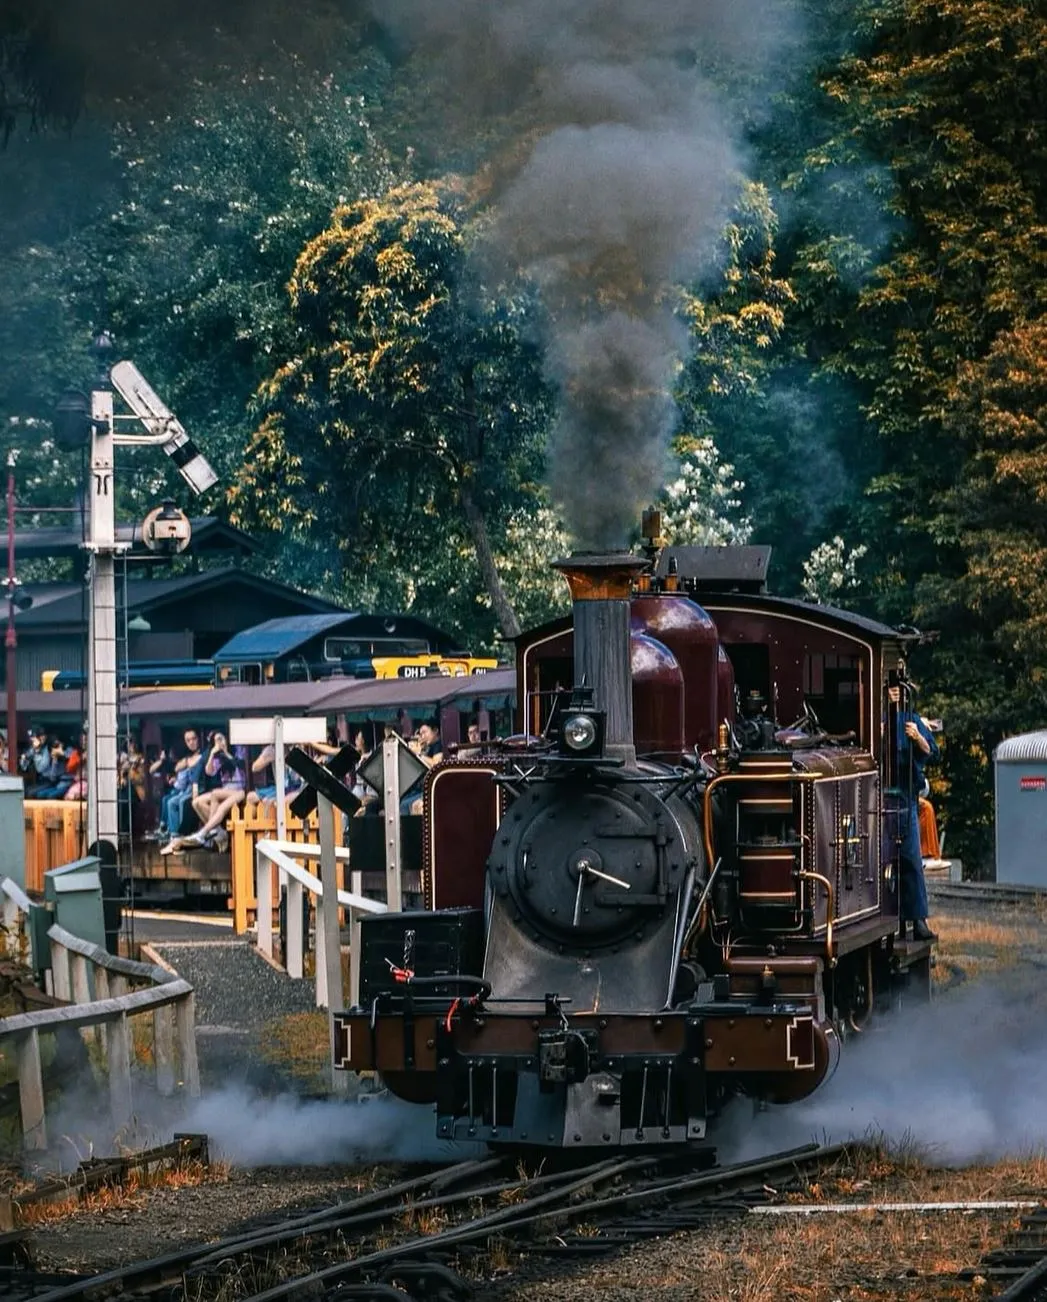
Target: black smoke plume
x: 630, y: 117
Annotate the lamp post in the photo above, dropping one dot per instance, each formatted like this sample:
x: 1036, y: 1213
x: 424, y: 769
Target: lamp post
x: 11, y: 638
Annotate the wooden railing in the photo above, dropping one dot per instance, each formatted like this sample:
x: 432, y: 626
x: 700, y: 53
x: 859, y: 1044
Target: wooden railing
x: 100, y: 992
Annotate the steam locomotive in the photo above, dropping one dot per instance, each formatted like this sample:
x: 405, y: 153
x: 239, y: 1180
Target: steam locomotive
x: 656, y: 897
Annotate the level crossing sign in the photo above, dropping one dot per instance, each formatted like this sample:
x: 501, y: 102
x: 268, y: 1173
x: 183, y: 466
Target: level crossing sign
x: 408, y: 766
x: 323, y: 780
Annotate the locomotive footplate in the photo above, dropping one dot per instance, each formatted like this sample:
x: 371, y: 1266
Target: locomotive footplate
x: 521, y: 1076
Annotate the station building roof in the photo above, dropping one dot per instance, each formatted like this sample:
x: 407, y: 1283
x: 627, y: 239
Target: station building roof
x: 211, y: 536
x: 65, y: 604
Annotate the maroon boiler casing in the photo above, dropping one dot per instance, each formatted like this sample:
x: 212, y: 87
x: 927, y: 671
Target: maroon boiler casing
x: 690, y: 634
x: 658, y: 697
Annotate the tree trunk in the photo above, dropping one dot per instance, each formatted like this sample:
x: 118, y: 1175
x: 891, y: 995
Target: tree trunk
x: 503, y: 609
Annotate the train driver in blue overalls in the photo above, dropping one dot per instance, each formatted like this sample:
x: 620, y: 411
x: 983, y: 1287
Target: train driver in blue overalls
x: 915, y: 747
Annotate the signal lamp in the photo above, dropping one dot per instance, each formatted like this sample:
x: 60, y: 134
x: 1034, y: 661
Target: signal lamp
x: 72, y: 419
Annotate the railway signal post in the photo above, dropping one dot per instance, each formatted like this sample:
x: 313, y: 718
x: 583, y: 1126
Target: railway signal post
x: 97, y: 420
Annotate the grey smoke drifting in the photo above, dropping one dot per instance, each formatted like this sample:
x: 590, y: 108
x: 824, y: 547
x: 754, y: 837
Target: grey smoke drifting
x: 964, y: 1079
x: 616, y: 188
x: 252, y: 1129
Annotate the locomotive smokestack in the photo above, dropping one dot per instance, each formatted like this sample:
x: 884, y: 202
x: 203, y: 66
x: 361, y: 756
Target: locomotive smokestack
x: 601, y: 586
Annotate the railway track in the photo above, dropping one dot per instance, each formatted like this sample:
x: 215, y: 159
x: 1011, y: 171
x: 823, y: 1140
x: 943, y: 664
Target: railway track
x: 415, y: 1239
x: 985, y: 892
x: 1018, y: 1269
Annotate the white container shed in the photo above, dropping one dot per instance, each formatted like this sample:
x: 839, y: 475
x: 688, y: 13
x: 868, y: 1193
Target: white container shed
x: 1021, y: 810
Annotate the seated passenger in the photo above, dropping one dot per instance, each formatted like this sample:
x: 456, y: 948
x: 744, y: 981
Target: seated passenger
x: 213, y: 806
x: 34, y: 763
x: 432, y: 748
x: 56, y: 779
x: 187, y: 773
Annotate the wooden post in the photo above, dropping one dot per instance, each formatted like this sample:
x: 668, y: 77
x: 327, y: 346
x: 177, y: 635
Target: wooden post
x: 164, y: 1049
x: 61, y: 983
x: 294, y: 959
x: 241, y: 862
x: 280, y: 775
x: 120, y: 1071
x: 31, y: 1092
x: 102, y: 991
x: 321, y: 957
x: 185, y: 1019
x: 391, y: 809
x: 264, y: 892
x: 331, y: 933
x: 357, y: 879
x: 80, y: 984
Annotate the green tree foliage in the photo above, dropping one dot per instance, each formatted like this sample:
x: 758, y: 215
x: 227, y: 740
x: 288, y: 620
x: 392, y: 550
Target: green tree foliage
x: 921, y: 241
x: 991, y: 606
x: 936, y: 94
x: 739, y: 388
x: 411, y: 412
x: 123, y: 60
x: 189, y: 230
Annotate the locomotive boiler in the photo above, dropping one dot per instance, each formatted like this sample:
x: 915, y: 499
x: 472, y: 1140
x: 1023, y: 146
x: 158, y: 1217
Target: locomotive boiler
x: 656, y: 897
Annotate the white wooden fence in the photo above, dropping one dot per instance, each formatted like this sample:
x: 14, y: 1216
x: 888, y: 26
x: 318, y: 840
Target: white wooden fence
x: 102, y: 994
x: 283, y: 856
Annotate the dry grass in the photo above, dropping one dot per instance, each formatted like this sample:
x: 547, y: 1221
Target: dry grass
x: 963, y: 932
x: 299, y: 1045
x: 867, y: 1256
x: 976, y: 945
x: 119, y: 1197
x: 429, y: 1220
x: 499, y: 1259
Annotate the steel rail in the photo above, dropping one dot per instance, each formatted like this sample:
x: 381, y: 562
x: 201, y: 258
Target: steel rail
x: 175, y: 1263
x: 1031, y: 1285
x: 548, y: 1197
x: 548, y: 1206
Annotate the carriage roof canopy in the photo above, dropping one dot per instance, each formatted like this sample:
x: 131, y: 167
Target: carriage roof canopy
x: 279, y: 637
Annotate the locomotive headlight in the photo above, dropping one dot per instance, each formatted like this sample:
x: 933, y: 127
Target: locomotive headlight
x: 579, y: 732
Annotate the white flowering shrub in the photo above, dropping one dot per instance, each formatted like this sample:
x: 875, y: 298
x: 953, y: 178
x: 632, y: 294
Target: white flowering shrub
x: 702, y: 506
x: 831, y: 570
x: 533, y: 539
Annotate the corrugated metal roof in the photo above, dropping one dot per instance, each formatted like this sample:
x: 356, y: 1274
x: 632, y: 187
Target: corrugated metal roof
x: 1015, y: 750
x: 230, y: 702
x: 276, y: 637
x: 379, y: 694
